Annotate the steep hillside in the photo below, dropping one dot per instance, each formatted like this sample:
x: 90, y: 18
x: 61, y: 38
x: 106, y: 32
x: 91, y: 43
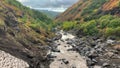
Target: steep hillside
x: 32, y: 18
x: 23, y: 33
x: 89, y: 9
x: 92, y: 17
x: 110, y: 5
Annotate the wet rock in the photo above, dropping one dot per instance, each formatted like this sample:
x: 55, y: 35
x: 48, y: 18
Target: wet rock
x: 71, y: 49
x: 59, y: 36
x: 90, y: 62
x: 67, y: 39
x: 46, y: 47
x: 99, y: 40
x: 92, y: 55
x: 58, y: 44
x: 95, y: 38
x: 86, y: 49
x: 49, y: 40
x: 115, y: 56
x: 50, y: 56
x: 65, y: 61
x: 53, y: 46
x: 69, y: 42
x: 65, y: 33
x: 109, y: 41
x: 95, y: 61
x: 55, y: 50
x: 112, y: 37
x: 106, y: 64
x: 62, y: 40
x: 65, y: 46
x: 81, y: 42
x: 93, y: 44
x: 73, y: 66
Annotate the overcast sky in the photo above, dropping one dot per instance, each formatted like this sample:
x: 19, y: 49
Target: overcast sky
x: 51, y: 5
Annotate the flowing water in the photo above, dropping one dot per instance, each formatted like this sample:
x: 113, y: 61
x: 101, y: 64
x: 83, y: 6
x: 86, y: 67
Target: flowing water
x: 65, y: 58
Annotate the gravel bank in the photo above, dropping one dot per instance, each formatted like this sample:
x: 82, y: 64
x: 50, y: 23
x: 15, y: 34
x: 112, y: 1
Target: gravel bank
x: 9, y: 61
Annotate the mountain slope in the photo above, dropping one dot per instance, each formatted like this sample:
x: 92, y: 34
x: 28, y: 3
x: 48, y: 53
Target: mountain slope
x: 32, y: 17
x: 23, y: 33
x: 88, y: 9
x: 92, y: 17
x: 110, y: 5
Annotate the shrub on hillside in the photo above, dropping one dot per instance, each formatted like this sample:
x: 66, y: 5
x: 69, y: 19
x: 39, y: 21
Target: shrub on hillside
x: 89, y: 28
x: 106, y: 25
x: 112, y: 32
x: 68, y: 25
x: 114, y: 23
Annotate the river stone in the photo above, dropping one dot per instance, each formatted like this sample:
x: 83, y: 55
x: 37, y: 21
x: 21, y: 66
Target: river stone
x: 59, y: 36
x: 94, y: 60
x: 51, y: 56
x: 106, y: 64
x: 109, y: 41
x: 55, y: 50
x: 65, y: 61
x: 69, y: 42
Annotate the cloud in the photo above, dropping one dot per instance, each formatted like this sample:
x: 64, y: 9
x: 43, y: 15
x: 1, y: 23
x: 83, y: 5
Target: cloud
x: 22, y: 0
x: 52, y: 9
x: 55, y: 4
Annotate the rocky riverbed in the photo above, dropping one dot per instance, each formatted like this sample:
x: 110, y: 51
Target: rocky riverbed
x: 98, y: 51
x: 65, y: 58
x: 84, y: 52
